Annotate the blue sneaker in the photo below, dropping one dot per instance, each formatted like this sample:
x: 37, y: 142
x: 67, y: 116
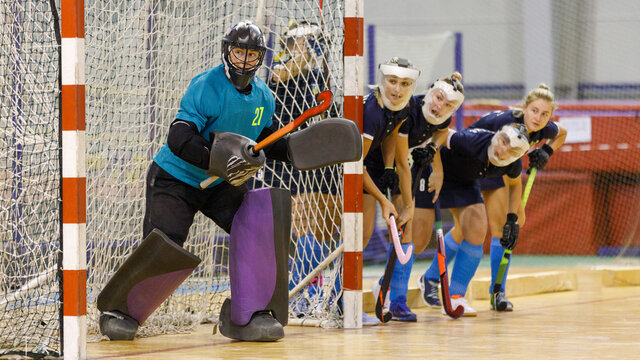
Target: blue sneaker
x: 429, y: 291
x: 401, y: 312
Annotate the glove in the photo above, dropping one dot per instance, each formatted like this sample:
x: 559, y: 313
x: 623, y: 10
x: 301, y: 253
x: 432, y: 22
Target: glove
x: 510, y: 232
x: 422, y: 157
x: 538, y: 158
x: 240, y: 169
x: 232, y: 157
x: 389, y: 180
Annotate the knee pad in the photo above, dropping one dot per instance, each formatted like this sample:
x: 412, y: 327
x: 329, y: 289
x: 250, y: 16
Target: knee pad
x: 258, y: 255
x: 147, y: 278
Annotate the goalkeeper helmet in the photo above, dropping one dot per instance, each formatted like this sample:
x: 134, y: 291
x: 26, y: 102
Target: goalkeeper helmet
x: 243, y: 49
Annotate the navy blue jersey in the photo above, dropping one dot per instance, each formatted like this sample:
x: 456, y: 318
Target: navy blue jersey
x: 297, y: 94
x: 416, y: 127
x: 379, y: 122
x: 468, y: 158
x: 497, y: 119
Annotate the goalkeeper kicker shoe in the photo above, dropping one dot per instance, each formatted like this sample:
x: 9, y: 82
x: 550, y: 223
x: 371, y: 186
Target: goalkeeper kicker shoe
x: 499, y: 302
x: 429, y: 291
x: 118, y: 326
x: 262, y: 326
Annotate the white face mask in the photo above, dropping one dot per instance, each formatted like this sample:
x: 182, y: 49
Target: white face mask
x: 401, y: 72
x: 517, y: 141
x: 451, y: 95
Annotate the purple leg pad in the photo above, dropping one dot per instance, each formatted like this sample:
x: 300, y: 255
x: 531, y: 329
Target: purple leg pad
x: 148, y: 294
x: 252, y: 256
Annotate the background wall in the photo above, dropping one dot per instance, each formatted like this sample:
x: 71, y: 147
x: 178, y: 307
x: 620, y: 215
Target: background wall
x: 520, y: 43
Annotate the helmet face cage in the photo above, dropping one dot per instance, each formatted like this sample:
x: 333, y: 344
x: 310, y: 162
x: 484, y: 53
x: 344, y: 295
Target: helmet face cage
x: 248, y: 36
x: 246, y: 67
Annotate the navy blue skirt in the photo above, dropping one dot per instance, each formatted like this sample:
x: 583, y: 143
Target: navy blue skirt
x: 491, y: 183
x: 452, y: 195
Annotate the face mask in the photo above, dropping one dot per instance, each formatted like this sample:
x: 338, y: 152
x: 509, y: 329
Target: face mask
x: 517, y: 141
x: 451, y: 94
x: 402, y: 72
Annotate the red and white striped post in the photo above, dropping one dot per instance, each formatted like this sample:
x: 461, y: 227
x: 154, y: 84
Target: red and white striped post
x: 74, y: 203
x: 352, y: 218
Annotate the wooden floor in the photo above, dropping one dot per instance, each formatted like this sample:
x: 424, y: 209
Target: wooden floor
x: 594, y: 322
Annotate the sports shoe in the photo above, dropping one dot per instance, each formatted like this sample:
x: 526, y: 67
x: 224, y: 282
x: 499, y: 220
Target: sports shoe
x: 401, y: 312
x: 468, y: 310
x: 368, y: 320
x: 429, y: 291
x: 299, y: 305
x: 375, y: 290
x: 499, y: 302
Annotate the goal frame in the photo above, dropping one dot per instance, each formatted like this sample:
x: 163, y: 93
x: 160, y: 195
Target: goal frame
x: 74, y: 182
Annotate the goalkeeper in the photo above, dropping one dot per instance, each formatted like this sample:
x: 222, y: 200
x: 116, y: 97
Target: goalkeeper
x: 222, y: 112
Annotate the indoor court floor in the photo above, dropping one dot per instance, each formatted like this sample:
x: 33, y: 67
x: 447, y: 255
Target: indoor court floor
x: 592, y: 322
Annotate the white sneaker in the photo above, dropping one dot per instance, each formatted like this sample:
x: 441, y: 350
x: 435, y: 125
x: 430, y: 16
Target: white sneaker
x: 368, y: 320
x: 468, y: 310
x: 375, y: 290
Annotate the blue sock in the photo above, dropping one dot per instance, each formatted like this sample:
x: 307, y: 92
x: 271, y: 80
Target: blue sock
x: 450, y: 251
x: 310, y: 253
x: 400, y: 279
x: 496, y: 255
x: 465, y: 267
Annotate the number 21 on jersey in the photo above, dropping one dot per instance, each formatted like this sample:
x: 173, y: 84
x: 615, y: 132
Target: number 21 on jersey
x: 258, y: 117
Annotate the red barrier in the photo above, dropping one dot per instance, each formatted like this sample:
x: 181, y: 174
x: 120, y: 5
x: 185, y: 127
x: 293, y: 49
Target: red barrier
x: 588, y: 195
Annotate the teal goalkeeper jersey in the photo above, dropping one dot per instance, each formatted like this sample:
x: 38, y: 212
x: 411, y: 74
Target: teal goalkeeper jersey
x: 213, y: 104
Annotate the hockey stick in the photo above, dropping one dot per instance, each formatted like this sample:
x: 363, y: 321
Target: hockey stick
x: 504, y: 262
x: 442, y: 266
x: 325, y: 101
x: 391, y: 262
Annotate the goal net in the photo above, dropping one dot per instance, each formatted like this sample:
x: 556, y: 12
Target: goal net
x: 29, y: 179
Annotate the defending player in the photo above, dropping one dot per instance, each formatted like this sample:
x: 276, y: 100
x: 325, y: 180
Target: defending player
x: 425, y: 130
x: 470, y: 155
x: 536, y: 111
x: 223, y: 110
x: 385, y: 109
